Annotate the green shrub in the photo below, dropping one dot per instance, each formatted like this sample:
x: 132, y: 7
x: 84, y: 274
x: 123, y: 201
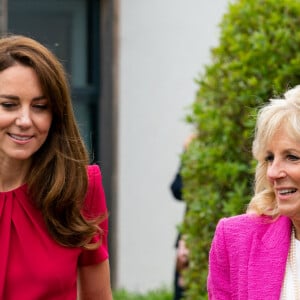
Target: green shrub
x: 257, y: 58
x: 159, y: 294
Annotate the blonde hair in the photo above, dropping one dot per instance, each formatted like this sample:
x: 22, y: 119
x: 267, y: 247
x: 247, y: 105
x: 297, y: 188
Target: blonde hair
x: 278, y: 113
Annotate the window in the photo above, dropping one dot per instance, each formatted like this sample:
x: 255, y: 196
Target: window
x: 67, y: 28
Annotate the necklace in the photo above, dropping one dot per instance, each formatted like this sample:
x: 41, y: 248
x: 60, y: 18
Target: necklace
x: 291, y: 266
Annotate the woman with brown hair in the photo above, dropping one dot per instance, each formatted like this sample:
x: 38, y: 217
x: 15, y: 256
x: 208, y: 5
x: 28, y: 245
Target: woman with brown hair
x: 53, y: 215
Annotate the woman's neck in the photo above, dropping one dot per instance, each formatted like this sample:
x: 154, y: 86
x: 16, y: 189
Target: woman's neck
x: 12, y: 175
x: 296, y: 225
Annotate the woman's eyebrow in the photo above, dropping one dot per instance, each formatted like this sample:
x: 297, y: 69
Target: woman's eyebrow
x: 39, y: 98
x: 13, y: 97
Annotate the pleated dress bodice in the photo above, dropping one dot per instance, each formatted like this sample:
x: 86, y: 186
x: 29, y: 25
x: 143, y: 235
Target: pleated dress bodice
x: 32, y: 264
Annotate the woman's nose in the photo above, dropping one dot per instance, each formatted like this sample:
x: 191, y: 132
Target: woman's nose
x: 24, y: 118
x: 275, y: 170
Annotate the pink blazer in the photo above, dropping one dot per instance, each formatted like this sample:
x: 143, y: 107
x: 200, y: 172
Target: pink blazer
x: 248, y: 257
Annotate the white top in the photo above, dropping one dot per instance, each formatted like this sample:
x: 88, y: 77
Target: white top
x: 289, y: 292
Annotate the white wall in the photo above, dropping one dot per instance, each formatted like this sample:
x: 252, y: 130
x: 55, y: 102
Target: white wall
x: 164, y: 45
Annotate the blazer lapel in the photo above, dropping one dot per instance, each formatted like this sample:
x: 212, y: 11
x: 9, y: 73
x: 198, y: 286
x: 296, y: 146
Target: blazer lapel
x: 267, y: 260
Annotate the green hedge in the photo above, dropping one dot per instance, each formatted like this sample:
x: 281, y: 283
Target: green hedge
x: 159, y: 294
x: 258, y: 57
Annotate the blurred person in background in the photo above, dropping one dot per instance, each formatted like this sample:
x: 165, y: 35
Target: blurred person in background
x: 181, y: 249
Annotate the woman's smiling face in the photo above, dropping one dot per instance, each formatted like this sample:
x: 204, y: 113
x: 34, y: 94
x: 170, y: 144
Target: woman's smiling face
x: 25, y: 113
x: 283, y: 172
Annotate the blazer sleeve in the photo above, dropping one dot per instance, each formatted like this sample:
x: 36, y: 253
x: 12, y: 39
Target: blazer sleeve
x: 95, y: 206
x: 218, y: 281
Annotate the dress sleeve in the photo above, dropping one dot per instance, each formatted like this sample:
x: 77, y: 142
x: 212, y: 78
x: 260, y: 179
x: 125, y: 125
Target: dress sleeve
x: 218, y: 281
x: 95, y: 206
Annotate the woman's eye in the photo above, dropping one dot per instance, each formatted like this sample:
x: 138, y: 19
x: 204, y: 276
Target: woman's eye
x: 269, y: 158
x: 8, y: 105
x: 292, y: 157
x: 40, y: 106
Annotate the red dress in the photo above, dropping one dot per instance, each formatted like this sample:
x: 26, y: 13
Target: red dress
x: 33, y: 266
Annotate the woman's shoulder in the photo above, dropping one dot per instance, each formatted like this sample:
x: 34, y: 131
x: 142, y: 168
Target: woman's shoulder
x: 94, y: 177
x: 93, y: 170
x: 246, y: 220
x: 95, y: 198
x: 246, y: 225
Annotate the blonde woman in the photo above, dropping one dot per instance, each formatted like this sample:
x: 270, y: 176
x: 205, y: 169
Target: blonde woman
x: 257, y: 255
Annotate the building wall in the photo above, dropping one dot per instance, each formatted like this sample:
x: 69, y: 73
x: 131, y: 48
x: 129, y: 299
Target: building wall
x: 163, y: 46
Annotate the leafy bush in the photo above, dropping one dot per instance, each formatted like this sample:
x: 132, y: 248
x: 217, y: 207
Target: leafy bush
x: 257, y: 58
x: 159, y: 294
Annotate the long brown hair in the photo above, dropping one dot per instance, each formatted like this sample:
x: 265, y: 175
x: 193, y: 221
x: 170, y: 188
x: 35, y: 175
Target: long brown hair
x: 57, y: 180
